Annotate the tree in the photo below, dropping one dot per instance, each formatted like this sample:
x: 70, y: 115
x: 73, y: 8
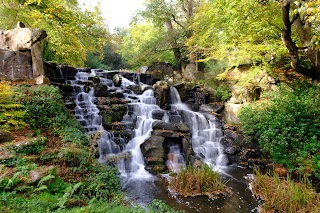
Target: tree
x: 303, y: 16
x: 72, y: 32
x: 237, y: 31
x: 144, y: 44
x: 176, y: 16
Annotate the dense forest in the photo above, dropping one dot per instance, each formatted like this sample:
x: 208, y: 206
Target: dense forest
x: 232, y: 43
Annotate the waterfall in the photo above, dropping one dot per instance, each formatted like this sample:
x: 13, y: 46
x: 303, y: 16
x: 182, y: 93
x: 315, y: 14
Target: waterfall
x: 205, y: 134
x: 87, y: 113
x: 141, y: 110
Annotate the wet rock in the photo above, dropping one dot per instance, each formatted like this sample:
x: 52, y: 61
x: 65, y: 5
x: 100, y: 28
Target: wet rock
x: 181, y: 127
x: 231, y: 112
x: 153, y: 142
x: 101, y: 90
x: 166, y: 133
x: 163, y: 126
x: 117, y: 79
x: 5, y: 137
x: 158, y: 114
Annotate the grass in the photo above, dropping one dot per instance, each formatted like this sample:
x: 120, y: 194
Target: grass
x: 284, y: 194
x: 193, y: 181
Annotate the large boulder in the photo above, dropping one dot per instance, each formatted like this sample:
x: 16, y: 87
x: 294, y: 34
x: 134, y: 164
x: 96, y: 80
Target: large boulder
x: 20, y: 38
x: 21, y: 56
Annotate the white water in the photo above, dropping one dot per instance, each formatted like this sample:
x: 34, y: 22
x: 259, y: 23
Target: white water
x: 141, y: 110
x: 205, y: 134
x: 175, y: 159
x: 87, y: 113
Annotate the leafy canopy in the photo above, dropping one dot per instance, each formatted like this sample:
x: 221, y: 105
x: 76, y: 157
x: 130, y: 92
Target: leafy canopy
x: 72, y: 32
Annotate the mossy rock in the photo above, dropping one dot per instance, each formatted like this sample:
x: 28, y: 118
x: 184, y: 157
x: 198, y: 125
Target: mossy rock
x: 30, y: 146
x: 73, y: 155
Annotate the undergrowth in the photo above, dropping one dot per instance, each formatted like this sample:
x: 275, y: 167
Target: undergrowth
x: 286, y: 125
x: 284, y: 194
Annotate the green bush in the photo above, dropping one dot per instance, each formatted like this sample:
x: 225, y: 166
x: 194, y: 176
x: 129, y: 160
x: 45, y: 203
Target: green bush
x: 287, y: 126
x: 12, y: 113
x: 45, y: 110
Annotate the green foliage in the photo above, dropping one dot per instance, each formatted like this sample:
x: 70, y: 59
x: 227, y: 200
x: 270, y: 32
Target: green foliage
x: 160, y: 206
x: 239, y: 32
x: 45, y: 110
x: 12, y: 114
x: 193, y: 181
x: 285, y: 194
x: 223, y: 92
x: 102, y: 184
x: 72, y: 32
x: 94, y: 62
x: 145, y: 44
x: 287, y: 126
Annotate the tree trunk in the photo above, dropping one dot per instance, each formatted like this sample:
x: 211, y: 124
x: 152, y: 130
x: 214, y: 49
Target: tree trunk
x: 286, y: 36
x: 304, y: 32
x: 173, y: 42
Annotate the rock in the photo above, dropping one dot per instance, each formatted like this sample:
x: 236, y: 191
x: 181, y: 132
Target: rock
x: 144, y: 87
x: 164, y: 126
x: 160, y: 70
x: 117, y: 79
x: 182, y: 127
x: 41, y: 79
x: 20, y: 38
x: 5, y: 137
x: 15, y: 66
x: 216, y: 107
x: 36, y: 174
x: 30, y: 142
x: 153, y: 142
x: 161, y: 91
x: 21, y: 56
x: 158, y: 114
x: 231, y: 112
x: 101, y: 90
x: 143, y: 69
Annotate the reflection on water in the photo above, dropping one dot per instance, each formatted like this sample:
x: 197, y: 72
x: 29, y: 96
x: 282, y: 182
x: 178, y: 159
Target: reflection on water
x: 143, y: 192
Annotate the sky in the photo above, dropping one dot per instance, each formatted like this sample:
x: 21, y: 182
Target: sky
x: 117, y: 13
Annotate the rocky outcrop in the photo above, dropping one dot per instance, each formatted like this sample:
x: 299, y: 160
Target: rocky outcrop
x: 156, y: 148
x: 21, y: 56
x: 239, y: 151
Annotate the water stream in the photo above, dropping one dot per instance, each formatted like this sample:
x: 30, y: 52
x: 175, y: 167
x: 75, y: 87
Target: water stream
x: 141, y: 186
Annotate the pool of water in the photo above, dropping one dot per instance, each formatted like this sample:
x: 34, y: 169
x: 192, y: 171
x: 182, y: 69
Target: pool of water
x: 144, y: 191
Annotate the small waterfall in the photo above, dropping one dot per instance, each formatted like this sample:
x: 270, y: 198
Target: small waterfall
x: 205, y: 134
x: 140, y: 109
x: 175, y: 159
x: 87, y: 113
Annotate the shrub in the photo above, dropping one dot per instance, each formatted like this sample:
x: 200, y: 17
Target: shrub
x: 12, y: 114
x: 197, y: 181
x: 287, y: 127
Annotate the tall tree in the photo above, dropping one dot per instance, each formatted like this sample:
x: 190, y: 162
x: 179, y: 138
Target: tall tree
x: 176, y: 16
x: 237, y: 31
x: 303, y: 17
x: 72, y: 32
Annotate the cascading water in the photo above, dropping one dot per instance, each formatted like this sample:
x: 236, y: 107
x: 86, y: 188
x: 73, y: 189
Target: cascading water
x: 87, y: 113
x: 140, y: 109
x: 139, y: 184
x: 205, y: 134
